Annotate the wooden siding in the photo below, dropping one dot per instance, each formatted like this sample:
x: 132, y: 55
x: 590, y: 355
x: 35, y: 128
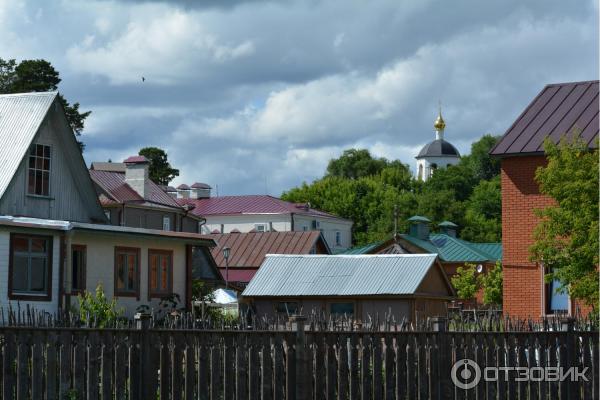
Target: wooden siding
x: 72, y: 196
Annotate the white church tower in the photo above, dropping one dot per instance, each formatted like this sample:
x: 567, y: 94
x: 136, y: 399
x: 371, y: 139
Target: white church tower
x: 436, y: 154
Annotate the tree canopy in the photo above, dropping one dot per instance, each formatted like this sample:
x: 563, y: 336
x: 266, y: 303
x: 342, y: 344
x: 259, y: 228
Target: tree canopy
x: 39, y: 76
x: 366, y: 189
x: 566, y: 238
x: 161, y: 171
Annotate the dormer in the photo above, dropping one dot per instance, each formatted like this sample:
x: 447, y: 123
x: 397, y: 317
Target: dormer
x: 419, y: 227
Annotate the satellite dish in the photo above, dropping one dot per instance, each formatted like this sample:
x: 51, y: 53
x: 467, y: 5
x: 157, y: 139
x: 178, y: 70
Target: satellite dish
x: 479, y: 268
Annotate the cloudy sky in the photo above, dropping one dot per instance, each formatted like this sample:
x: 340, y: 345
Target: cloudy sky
x: 256, y: 96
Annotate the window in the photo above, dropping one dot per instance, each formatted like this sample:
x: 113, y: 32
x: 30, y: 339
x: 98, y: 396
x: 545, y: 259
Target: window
x: 160, y: 273
x: 420, y: 176
x: 78, y: 262
x: 305, y: 228
x: 432, y: 169
x: 260, y: 227
x: 30, y: 267
x: 38, y: 178
x: 316, y: 225
x: 338, y: 238
x: 127, y: 272
x: 341, y: 309
x: 287, y: 307
x: 166, y: 223
x: 107, y: 214
x: 557, y: 302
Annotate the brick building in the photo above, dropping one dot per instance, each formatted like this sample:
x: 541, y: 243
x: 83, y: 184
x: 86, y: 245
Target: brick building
x: 558, y: 109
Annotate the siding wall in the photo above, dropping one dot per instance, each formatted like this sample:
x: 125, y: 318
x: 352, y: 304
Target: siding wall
x: 48, y: 306
x: 329, y: 227
x: 69, y: 198
x: 245, y: 223
x: 100, y: 265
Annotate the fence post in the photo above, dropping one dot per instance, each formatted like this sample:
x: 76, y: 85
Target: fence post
x: 567, y: 325
x: 440, y: 326
x: 142, y: 323
x: 297, y: 322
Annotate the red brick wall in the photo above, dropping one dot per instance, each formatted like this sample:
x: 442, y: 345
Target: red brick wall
x: 523, y: 279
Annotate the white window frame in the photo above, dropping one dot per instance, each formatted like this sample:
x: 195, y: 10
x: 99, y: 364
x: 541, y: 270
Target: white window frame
x: 35, y: 169
x: 265, y: 227
x: 166, y: 223
x: 338, y: 238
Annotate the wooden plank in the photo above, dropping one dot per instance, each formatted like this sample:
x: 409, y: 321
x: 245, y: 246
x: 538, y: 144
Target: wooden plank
x: 176, y: 364
x: 433, y: 353
x: 23, y: 384
x: 553, y: 392
x: 215, y: 369
x: 586, y: 350
x: 521, y: 344
x: 134, y: 382
x: 120, y: 368
x: 203, y: 356
x: 228, y: 367
x: 501, y: 361
x: 190, y: 367
x: 354, y: 385
x: 51, y: 366
x: 8, y: 371
x: 165, y: 363
x: 377, y: 367
x: 490, y: 361
x: 444, y: 357
x: 342, y: 367
x: 400, y: 358
x: 266, y: 369
x: 509, y: 341
x: 278, y: 369
x: 107, y: 366
x: 595, y: 367
x: 93, y: 366
x: 543, y: 362
x: 37, y: 365
x: 290, y: 368
x: 411, y: 378
x: 254, y: 368
x: 330, y: 365
x: 389, y: 367
x: 423, y: 380
x: 320, y: 371
x: 459, y: 351
x: 241, y: 368
x: 365, y: 367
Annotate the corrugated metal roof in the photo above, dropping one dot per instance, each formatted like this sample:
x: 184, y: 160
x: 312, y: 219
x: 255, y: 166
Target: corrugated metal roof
x: 451, y: 249
x: 20, y: 118
x: 363, y: 249
x: 252, y: 204
x: 555, y: 111
x: 250, y: 249
x: 341, y: 275
x: 494, y: 250
x: 108, y: 166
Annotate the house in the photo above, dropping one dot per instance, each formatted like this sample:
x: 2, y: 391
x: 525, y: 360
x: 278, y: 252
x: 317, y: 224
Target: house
x: 264, y: 213
x: 436, y: 154
x: 130, y: 198
x: 55, y: 240
x: 247, y: 251
x: 554, y: 112
x: 409, y: 286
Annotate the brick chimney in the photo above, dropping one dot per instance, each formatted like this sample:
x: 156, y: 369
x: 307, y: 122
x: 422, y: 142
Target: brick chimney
x: 137, y: 174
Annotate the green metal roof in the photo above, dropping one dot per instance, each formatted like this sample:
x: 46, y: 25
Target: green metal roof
x: 448, y: 224
x: 418, y: 218
x: 451, y: 249
x: 366, y: 249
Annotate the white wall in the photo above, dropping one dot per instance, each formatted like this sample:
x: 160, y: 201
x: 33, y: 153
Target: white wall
x: 246, y: 222
x: 441, y: 162
x: 328, y: 226
x: 48, y: 306
x: 101, y: 258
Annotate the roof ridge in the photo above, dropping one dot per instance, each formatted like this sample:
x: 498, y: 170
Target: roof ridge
x: 464, y: 243
x: 23, y: 94
x: 572, y: 83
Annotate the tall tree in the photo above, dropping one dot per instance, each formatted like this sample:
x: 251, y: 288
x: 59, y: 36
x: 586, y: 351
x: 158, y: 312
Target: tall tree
x: 566, y: 238
x: 161, y: 171
x: 39, y: 76
x: 356, y: 163
x: 479, y: 160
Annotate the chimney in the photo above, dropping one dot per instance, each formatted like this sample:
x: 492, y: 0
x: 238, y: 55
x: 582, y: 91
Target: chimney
x: 419, y: 227
x: 200, y: 191
x: 183, y: 191
x: 449, y: 228
x: 137, y: 174
x: 171, y: 191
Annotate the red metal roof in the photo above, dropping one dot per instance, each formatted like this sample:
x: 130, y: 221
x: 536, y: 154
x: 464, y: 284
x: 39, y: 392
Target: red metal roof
x: 556, y: 111
x: 249, y: 249
x: 136, y: 160
x: 239, y: 274
x: 252, y: 204
x: 113, y: 183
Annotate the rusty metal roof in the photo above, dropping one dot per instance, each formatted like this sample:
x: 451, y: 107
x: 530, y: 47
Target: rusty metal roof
x: 108, y: 166
x: 20, y: 118
x: 249, y: 249
x: 341, y: 275
x: 556, y: 111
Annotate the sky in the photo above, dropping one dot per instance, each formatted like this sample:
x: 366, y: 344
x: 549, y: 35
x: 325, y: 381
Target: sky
x: 255, y: 97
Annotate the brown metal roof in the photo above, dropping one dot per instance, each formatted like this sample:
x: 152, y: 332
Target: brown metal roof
x: 557, y: 110
x: 249, y: 249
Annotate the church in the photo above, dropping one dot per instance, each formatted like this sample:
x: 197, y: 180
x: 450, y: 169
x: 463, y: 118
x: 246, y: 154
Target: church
x: 436, y: 154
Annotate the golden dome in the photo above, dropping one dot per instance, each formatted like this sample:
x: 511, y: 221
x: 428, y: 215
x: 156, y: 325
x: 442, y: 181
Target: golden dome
x: 439, y: 123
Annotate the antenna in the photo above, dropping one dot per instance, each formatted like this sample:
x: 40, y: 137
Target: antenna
x: 395, y: 222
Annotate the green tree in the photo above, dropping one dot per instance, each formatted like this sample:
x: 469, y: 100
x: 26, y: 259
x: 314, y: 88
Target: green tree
x: 161, y: 171
x: 566, y: 238
x: 97, y: 311
x: 465, y: 282
x: 491, y: 282
x: 483, y: 213
x: 355, y: 163
x: 39, y: 76
x: 479, y: 160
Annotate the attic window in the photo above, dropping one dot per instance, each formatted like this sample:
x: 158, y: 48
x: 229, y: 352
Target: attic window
x: 38, y: 183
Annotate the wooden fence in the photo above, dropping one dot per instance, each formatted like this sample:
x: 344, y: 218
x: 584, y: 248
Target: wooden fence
x: 147, y: 363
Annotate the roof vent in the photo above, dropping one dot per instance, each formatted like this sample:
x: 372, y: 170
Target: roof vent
x: 449, y: 228
x: 419, y: 227
x: 200, y: 191
x: 183, y: 191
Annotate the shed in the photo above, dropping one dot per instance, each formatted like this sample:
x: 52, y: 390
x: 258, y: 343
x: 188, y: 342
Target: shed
x: 408, y: 286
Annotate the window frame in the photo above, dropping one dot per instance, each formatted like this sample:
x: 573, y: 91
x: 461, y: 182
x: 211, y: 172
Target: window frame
x: 12, y: 295
x: 338, y: 238
x: 154, y: 294
x: 331, y: 303
x: 35, y: 169
x: 166, y: 226
x: 289, y: 312
x: 126, y: 293
x: 83, y: 249
x: 264, y: 227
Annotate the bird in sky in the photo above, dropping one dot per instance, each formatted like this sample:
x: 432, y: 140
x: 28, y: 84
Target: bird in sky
x: 143, y: 79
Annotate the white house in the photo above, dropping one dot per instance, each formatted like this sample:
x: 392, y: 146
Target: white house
x: 436, y: 154
x: 54, y: 242
x: 262, y: 213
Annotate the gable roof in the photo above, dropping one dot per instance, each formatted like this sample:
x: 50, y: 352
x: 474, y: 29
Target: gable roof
x: 249, y: 249
x: 21, y: 116
x: 108, y: 166
x: 251, y: 204
x: 117, y: 190
x: 451, y: 249
x: 341, y: 275
x: 554, y: 112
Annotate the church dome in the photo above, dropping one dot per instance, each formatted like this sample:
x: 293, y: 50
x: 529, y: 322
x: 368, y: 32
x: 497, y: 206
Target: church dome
x: 438, y: 148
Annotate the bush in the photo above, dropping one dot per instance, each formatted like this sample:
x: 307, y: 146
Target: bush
x: 491, y: 282
x: 465, y: 282
x: 96, y: 311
